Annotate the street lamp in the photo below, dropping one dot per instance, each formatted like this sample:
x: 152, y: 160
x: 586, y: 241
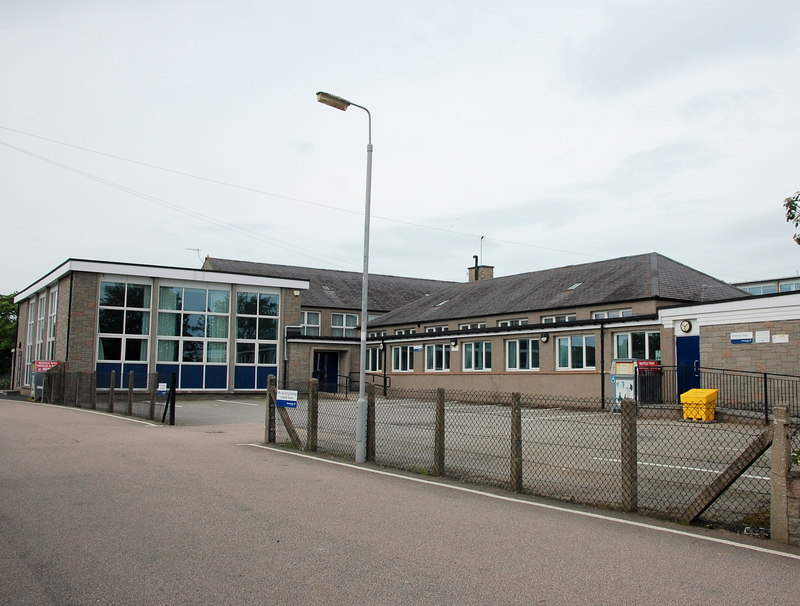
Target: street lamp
x: 361, y: 404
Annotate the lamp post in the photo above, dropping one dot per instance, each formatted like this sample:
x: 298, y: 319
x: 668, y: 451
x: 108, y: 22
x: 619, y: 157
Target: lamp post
x: 361, y: 404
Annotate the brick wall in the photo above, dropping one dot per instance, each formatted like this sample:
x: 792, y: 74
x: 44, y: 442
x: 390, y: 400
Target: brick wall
x: 717, y: 351
x: 83, y: 321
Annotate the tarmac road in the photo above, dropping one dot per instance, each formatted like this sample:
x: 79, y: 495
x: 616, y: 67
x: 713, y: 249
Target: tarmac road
x: 97, y: 509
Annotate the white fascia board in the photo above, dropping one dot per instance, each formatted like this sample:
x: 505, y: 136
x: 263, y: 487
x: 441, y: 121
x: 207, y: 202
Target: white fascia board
x: 755, y: 309
x: 324, y: 341
x: 154, y: 271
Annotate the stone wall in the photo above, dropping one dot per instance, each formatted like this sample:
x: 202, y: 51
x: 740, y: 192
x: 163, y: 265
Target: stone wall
x: 717, y: 351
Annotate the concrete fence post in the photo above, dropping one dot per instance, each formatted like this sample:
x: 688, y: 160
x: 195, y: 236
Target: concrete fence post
x: 370, y: 422
x: 313, y: 415
x: 112, y: 385
x: 131, y: 378
x: 628, y: 455
x: 272, y: 394
x: 438, y: 440
x: 516, y: 442
x: 781, y: 463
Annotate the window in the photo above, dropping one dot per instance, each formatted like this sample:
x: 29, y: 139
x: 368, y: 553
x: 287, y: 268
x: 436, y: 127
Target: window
x: 558, y: 319
x: 344, y: 325
x: 789, y: 286
x: 478, y: 355
x: 473, y: 325
x: 376, y: 333
x: 576, y: 352
x: 51, y: 324
x: 437, y: 357
x: 311, y: 323
x: 436, y: 329
x: 123, y: 322
x: 519, y: 322
x: 612, y: 313
x: 29, y: 340
x: 522, y: 354
x: 638, y: 345
x: 403, y: 358
x: 257, y: 328
x: 405, y: 331
x: 374, y: 359
x: 40, y: 326
x: 188, y: 320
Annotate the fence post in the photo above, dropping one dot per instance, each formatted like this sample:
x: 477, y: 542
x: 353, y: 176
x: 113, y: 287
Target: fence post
x: 516, y: 442
x: 438, y: 439
x: 313, y: 415
x: 112, y: 384
x: 77, y: 389
x: 628, y: 455
x: 130, y: 394
x: 370, y: 422
x: 173, y: 393
x: 272, y: 394
x: 93, y: 387
x: 153, y: 389
x: 779, y: 475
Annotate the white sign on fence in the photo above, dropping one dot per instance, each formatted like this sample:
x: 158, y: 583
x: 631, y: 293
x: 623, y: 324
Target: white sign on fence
x: 286, y: 398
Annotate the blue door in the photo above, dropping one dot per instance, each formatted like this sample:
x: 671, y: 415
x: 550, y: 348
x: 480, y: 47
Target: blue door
x: 688, y: 362
x: 326, y: 370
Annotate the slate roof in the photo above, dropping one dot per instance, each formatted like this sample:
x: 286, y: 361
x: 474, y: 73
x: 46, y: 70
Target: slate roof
x: 334, y: 289
x: 627, y: 279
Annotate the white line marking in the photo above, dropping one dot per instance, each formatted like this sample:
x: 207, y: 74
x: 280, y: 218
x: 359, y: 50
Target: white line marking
x: 682, y: 467
x: 237, y: 402
x: 96, y: 412
x: 586, y: 514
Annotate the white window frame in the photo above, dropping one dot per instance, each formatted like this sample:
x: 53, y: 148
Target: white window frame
x: 40, y: 326
x: 472, y: 326
x: 646, y: 334
x: 405, y: 331
x: 374, y: 359
x: 403, y: 358
x: 477, y: 356
x: 559, y: 319
x: 515, y: 356
x: 514, y: 322
x: 30, y: 339
x: 339, y: 322
x: 51, y: 324
x: 571, y: 343
x: 612, y: 313
x: 435, y: 352
x: 443, y: 328
x: 308, y: 327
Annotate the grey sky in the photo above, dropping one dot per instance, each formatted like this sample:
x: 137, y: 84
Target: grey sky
x: 563, y: 134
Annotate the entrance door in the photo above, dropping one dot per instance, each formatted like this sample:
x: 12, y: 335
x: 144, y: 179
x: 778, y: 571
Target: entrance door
x: 688, y: 362
x: 326, y: 370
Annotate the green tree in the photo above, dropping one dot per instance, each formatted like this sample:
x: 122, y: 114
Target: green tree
x: 8, y: 334
x: 792, y: 206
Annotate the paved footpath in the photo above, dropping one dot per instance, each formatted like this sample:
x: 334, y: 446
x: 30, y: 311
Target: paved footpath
x: 97, y: 509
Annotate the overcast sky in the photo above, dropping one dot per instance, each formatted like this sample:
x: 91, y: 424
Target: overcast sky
x: 562, y: 132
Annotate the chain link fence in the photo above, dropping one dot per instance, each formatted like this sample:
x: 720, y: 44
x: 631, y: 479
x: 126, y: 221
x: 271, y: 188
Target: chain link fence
x: 656, y: 462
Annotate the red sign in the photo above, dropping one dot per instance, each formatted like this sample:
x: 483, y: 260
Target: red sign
x: 648, y: 363
x: 44, y: 365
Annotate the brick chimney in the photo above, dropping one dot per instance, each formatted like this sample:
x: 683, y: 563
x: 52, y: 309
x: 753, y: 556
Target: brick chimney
x: 480, y: 272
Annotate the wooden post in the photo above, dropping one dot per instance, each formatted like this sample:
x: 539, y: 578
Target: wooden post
x: 77, y: 401
x: 272, y: 394
x: 112, y: 384
x: 93, y: 387
x: 628, y: 456
x: 370, y: 422
x: 313, y: 415
x: 153, y: 390
x: 781, y: 463
x: 130, y: 394
x: 516, y: 442
x: 438, y: 437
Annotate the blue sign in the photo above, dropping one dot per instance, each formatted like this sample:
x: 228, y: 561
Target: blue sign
x: 286, y: 398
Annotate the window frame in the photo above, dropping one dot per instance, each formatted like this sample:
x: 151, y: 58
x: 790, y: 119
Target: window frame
x: 516, y: 345
x: 403, y: 358
x: 432, y: 352
x: 476, y: 355
x: 571, y: 346
x: 346, y: 330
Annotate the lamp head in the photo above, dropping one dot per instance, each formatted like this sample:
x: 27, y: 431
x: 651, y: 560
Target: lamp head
x: 333, y: 100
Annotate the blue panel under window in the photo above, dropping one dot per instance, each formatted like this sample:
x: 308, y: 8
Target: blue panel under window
x: 263, y: 374
x: 244, y: 377
x: 216, y: 377
x: 165, y: 373
x: 139, y: 375
x: 191, y: 377
x: 104, y: 370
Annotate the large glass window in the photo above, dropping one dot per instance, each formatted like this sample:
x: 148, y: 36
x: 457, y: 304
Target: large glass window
x: 638, y: 345
x: 437, y: 357
x: 576, y: 352
x: 123, y: 322
x: 478, y: 355
x: 257, y: 329
x: 375, y: 359
x: 522, y: 354
x: 51, y: 324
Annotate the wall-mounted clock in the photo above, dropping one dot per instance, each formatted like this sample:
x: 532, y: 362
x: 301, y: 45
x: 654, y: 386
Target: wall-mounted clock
x: 686, y: 326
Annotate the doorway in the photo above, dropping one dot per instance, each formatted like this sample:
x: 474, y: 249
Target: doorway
x: 687, y: 351
x: 326, y: 370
